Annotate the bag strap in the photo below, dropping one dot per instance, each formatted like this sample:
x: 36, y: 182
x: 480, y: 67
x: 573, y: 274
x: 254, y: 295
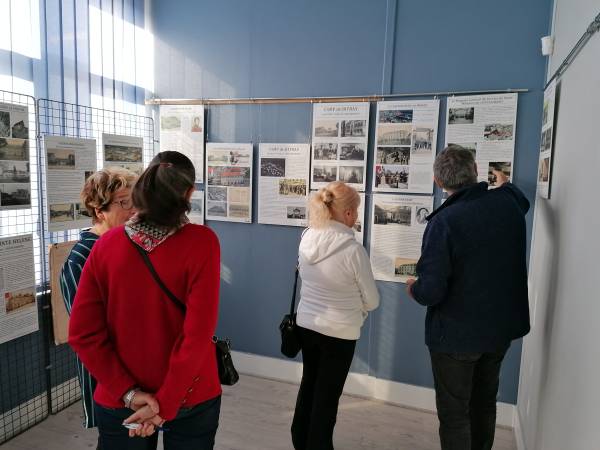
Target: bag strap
x: 150, y: 267
x: 293, y: 305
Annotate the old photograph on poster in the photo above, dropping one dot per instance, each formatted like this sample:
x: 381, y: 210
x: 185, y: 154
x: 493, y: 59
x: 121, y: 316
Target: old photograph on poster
x: 397, y: 226
x: 182, y: 130
x: 196, y: 214
x: 405, y: 143
x: 546, y: 141
x: 486, y: 126
x: 283, y: 184
x: 15, y: 173
x: 339, y: 143
x: 229, y: 182
x: 18, y: 307
x: 123, y: 151
x: 69, y: 161
x: 14, y: 121
x: 359, y: 226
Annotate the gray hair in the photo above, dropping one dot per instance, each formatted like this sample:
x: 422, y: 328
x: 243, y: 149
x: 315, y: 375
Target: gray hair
x: 455, y: 168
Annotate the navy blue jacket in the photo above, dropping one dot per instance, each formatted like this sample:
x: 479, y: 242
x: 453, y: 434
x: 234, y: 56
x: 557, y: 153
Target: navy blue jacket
x: 472, y: 274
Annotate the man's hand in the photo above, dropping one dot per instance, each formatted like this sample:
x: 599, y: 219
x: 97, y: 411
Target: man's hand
x: 409, y: 284
x: 501, y: 177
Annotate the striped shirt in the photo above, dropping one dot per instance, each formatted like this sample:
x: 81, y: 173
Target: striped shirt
x: 69, y: 279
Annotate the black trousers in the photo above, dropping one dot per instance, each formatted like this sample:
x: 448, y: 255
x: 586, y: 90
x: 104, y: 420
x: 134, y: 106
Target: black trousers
x: 326, y: 362
x: 466, y: 387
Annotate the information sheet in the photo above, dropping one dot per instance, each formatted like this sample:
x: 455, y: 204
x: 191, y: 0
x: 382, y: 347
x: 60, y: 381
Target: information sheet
x: 182, y: 130
x: 18, y: 309
x: 69, y: 161
x: 547, y: 142
x: 283, y: 184
x: 486, y: 126
x: 397, y: 227
x: 196, y: 214
x: 359, y: 226
x: 15, y: 173
x: 405, y: 144
x: 229, y: 182
x: 339, y: 143
x: 123, y: 151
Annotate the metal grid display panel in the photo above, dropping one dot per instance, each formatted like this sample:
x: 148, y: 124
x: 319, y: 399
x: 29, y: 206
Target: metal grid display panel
x: 23, y: 382
x: 67, y: 119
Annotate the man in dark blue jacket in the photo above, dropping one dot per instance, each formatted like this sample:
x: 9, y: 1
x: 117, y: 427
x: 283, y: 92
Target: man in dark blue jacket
x: 472, y: 276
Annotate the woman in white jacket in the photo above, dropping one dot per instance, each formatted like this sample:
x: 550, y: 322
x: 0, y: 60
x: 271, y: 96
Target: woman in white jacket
x: 338, y: 290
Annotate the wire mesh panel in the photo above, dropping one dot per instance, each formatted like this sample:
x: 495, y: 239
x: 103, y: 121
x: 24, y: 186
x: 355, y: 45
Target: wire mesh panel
x: 71, y: 120
x: 23, y: 382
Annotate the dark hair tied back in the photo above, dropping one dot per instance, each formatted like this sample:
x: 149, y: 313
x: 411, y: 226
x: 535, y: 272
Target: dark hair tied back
x: 160, y: 193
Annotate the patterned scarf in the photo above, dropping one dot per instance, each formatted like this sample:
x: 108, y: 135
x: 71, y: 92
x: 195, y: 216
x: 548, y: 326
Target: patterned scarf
x: 149, y: 235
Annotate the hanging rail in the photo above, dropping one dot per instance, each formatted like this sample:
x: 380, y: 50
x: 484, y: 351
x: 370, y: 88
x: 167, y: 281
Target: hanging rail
x: 340, y: 99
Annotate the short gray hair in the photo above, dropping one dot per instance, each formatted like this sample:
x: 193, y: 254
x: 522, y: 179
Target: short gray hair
x: 455, y: 168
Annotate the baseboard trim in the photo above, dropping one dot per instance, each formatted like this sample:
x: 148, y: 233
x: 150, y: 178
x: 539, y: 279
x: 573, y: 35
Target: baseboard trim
x: 361, y: 385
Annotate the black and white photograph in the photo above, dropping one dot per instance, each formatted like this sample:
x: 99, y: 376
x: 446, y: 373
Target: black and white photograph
x: 229, y: 176
x: 352, y: 174
x: 216, y: 209
x: 352, y: 152
x: 20, y: 130
x: 292, y: 187
x: 170, y: 123
x: 272, y: 167
x: 393, y: 155
x: 504, y: 167
x: 394, y: 135
x: 136, y: 168
x: 421, y: 214
x: 422, y: 140
x: 14, y: 172
x: 404, y: 267
x: 61, y: 159
x: 546, y: 111
x: 239, y: 210
x: 327, y: 128
x: 546, y: 142
x: 325, y: 151
x: 196, y: 205
x: 354, y: 128
x: 62, y: 212
x: 14, y: 149
x: 386, y: 214
x: 215, y: 157
x: 4, y: 124
x: 81, y: 212
x: 396, y: 116
x: 236, y: 158
x: 498, y: 132
x: 324, y: 174
x: 391, y: 177
x: 458, y: 116
x: 217, y: 193
x: 296, y: 212
x: 15, y: 194
x: 122, y: 153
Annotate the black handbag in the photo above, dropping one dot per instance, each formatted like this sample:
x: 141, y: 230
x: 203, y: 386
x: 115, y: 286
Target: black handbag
x: 291, y: 343
x: 227, y: 373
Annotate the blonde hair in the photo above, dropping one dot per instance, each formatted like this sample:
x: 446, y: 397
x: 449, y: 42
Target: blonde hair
x: 335, y: 197
x: 100, y: 187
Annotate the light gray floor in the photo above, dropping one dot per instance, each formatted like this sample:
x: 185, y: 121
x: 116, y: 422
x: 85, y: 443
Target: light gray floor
x: 256, y: 415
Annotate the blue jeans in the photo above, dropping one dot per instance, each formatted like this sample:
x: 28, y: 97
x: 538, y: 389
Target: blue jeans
x: 193, y: 429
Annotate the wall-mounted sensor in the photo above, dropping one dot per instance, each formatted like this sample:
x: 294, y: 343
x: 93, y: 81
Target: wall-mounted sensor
x: 547, y: 45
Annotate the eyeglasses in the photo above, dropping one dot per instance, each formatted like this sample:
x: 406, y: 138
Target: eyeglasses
x: 125, y: 204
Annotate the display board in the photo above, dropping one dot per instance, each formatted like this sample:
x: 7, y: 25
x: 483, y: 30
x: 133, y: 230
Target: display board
x: 547, y: 142
x: 229, y: 182
x: 15, y: 171
x: 339, y: 144
x: 485, y: 125
x: 123, y: 151
x: 18, y: 309
x: 196, y: 214
x: 69, y: 161
x: 283, y: 184
x: 397, y: 227
x: 57, y: 255
x: 182, y: 130
x: 405, y: 143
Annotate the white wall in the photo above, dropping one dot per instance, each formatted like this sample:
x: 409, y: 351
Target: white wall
x: 559, y: 393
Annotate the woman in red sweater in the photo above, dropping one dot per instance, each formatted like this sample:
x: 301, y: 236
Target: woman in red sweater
x: 147, y: 355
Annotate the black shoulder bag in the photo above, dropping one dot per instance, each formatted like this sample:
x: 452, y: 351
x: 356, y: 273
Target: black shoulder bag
x: 290, y: 335
x: 227, y: 373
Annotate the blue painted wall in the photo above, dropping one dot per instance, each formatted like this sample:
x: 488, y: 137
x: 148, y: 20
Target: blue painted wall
x: 270, y: 48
